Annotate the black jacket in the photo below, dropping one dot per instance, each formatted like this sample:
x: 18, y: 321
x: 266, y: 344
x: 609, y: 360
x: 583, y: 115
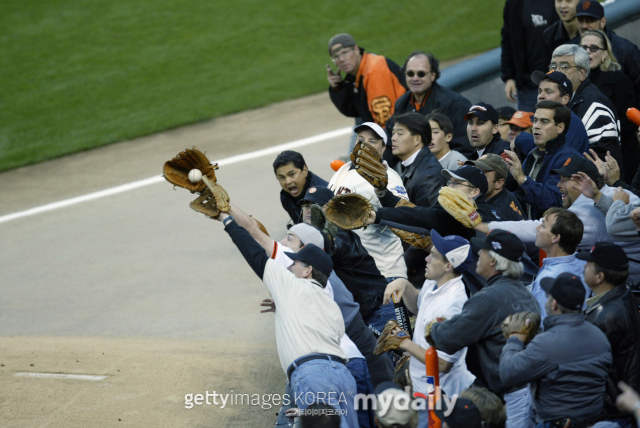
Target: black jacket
x: 358, y: 271
x: 617, y: 86
x: 290, y: 204
x: 497, y: 145
x: 616, y: 314
x: 449, y: 103
x: 478, y: 325
x: 423, y: 179
x: 554, y: 36
x: 523, y: 50
x: 599, y: 117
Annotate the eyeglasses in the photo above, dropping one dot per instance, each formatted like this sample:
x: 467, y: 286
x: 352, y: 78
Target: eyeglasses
x: 592, y: 48
x: 563, y: 67
x: 420, y: 73
x: 341, y: 55
x: 458, y: 183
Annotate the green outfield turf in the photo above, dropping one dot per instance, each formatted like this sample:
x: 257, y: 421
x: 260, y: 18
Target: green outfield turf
x: 81, y: 74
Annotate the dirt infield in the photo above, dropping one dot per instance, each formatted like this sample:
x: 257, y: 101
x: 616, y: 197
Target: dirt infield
x: 139, y: 288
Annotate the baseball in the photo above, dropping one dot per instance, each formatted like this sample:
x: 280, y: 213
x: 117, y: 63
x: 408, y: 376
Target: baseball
x: 195, y: 176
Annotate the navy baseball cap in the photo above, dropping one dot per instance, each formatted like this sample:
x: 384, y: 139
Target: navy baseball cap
x: 560, y: 78
x: 469, y: 173
x: 484, y: 111
x: 464, y: 414
x: 590, y: 8
x: 454, y: 248
x: 576, y: 164
x: 318, y: 195
x: 566, y: 289
x: 607, y: 255
x: 501, y: 242
x: 315, y: 256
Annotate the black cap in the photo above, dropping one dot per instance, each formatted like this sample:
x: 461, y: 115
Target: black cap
x: 590, y: 8
x: 560, y: 78
x: 607, y: 255
x: 315, y: 256
x: 469, y: 173
x: 464, y: 414
x: 501, y: 242
x: 318, y: 195
x: 505, y: 112
x: 576, y: 164
x: 566, y: 289
x: 484, y: 111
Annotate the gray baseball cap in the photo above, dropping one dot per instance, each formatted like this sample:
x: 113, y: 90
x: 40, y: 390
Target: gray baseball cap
x: 344, y: 39
x: 491, y: 162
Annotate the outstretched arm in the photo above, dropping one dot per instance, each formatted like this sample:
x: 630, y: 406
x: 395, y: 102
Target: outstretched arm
x: 249, y: 224
x: 252, y: 252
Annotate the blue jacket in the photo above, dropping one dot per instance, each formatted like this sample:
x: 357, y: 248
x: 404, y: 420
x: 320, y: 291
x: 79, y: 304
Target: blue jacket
x: 567, y: 366
x: 543, y: 193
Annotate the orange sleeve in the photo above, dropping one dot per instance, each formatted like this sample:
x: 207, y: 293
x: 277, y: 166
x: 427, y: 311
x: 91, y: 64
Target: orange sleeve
x: 382, y: 87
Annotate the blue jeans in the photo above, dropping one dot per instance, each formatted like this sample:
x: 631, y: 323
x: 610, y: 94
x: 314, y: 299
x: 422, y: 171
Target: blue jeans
x: 527, y: 100
x: 328, y: 382
x: 518, y: 404
x: 358, y: 369
x: 383, y: 313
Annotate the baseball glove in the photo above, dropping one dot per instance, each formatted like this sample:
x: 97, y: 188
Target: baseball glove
x: 369, y: 165
x: 349, y: 211
x: 416, y: 240
x: 261, y: 226
x: 176, y: 171
x: 390, y: 341
x: 402, y: 369
x: 213, y: 200
x: 516, y: 323
x: 427, y: 331
x: 460, y: 206
x: 319, y: 221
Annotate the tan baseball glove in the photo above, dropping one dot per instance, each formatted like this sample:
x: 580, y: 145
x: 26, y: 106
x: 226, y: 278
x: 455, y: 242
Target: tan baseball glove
x: 390, y: 341
x: 369, y: 165
x: 402, y: 370
x: 460, y: 206
x: 413, y: 239
x: 213, y: 200
x: 348, y: 211
x: 517, y: 323
x: 176, y: 171
x: 427, y: 331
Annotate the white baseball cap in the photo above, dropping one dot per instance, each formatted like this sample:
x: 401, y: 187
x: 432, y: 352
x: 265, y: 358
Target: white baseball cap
x: 374, y: 127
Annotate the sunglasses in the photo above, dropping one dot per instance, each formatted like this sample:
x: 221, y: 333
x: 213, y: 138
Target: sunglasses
x: 592, y: 48
x: 420, y: 73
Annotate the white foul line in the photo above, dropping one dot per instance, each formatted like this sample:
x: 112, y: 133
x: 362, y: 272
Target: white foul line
x: 158, y: 178
x: 62, y: 376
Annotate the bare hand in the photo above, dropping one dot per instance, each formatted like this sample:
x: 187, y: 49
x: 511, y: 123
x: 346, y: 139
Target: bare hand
x: 602, y: 166
x: 613, y: 170
x: 515, y: 166
x: 398, y: 287
x: 372, y: 217
x: 635, y: 217
x: 621, y: 195
x: 269, y: 304
x: 628, y: 399
x: 586, y: 186
x: 221, y: 217
x: 334, y: 78
x: 510, y: 90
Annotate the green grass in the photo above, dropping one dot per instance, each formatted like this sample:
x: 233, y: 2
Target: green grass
x: 78, y: 74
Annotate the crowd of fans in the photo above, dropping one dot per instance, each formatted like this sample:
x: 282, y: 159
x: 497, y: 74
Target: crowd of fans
x: 556, y: 184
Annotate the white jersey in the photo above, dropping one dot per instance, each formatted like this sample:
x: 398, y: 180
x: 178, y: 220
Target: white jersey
x: 279, y: 254
x: 380, y: 242
x: 433, y: 302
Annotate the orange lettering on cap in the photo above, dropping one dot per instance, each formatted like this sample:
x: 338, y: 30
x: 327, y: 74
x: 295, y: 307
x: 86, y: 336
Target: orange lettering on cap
x: 586, y: 5
x: 567, y: 162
